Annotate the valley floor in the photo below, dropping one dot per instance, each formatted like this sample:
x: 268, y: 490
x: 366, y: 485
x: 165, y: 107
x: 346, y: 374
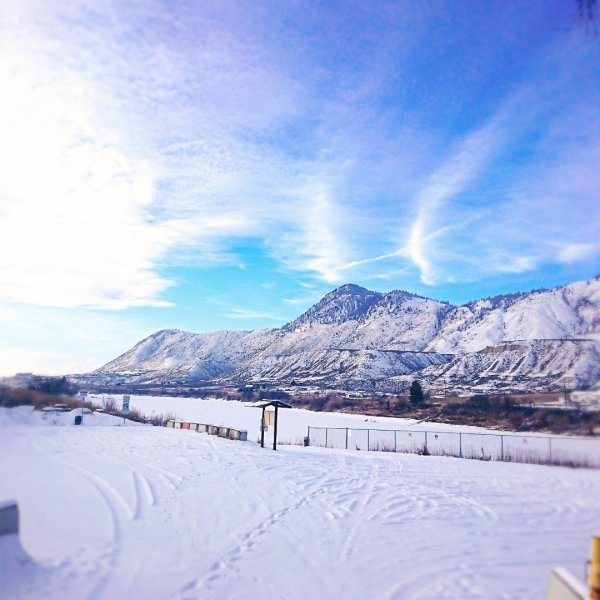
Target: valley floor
x: 149, y: 512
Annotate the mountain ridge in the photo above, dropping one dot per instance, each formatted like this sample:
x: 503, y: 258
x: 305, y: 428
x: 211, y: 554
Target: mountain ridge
x: 345, y: 340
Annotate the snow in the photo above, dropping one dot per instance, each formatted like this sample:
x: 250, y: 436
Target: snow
x: 151, y: 512
x: 570, y: 311
x: 26, y: 415
x: 293, y: 424
x: 341, y: 341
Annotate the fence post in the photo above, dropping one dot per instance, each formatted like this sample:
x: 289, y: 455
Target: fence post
x: 502, y: 448
x: 326, y: 430
x: 550, y: 450
x: 368, y: 439
x: 425, y: 441
x: 346, y: 438
x: 460, y: 444
x: 395, y: 441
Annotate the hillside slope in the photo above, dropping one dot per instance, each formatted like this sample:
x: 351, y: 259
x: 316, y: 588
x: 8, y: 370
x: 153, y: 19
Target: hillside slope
x: 358, y: 339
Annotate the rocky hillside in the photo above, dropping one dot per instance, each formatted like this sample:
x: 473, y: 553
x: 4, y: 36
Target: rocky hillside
x: 358, y: 339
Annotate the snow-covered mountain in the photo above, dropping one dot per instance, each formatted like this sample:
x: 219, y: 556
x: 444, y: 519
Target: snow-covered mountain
x: 568, y: 311
x: 347, y: 303
x: 515, y: 366
x: 358, y: 339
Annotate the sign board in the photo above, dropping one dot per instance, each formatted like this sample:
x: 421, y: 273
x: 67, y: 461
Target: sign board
x: 269, y: 418
x: 125, y: 410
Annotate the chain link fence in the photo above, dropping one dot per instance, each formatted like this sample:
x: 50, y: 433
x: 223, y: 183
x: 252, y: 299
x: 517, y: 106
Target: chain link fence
x: 537, y: 449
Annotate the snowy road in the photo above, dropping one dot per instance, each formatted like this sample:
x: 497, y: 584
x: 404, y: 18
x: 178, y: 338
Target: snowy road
x: 143, y: 512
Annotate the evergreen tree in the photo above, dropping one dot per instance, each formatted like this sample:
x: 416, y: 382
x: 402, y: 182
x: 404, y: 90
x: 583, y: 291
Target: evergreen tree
x: 416, y: 393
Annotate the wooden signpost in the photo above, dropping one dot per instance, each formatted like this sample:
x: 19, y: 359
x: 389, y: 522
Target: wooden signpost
x: 268, y: 418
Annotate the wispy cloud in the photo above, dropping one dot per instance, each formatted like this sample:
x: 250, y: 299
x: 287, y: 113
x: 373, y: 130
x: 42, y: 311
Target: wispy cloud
x: 572, y: 253
x: 87, y: 179
x: 314, y: 241
x: 521, y: 191
x: 243, y: 313
x: 14, y: 360
x: 68, y: 340
x: 138, y: 137
x: 303, y: 301
x: 459, y: 171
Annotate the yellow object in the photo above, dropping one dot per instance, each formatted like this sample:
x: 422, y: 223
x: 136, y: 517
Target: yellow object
x: 594, y: 570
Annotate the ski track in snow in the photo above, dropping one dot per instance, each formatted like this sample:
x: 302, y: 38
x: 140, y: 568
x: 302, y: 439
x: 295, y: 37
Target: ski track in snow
x: 186, y: 515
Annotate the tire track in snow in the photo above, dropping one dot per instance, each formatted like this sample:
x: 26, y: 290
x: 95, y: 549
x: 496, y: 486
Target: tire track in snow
x: 145, y: 497
x: 117, y: 457
x: 445, y: 582
x: 358, y: 512
x: 114, y: 453
x: 107, y: 560
x: 112, y: 552
x: 108, y: 490
x: 222, y: 568
x: 475, y: 506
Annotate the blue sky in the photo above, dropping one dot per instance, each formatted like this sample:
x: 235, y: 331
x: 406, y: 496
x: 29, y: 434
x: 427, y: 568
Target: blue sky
x: 222, y: 165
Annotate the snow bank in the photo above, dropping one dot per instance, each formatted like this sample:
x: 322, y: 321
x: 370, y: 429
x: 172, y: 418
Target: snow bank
x: 26, y: 415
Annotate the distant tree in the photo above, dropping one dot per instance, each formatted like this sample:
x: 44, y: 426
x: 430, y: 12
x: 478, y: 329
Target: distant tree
x: 52, y: 385
x: 416, y: 393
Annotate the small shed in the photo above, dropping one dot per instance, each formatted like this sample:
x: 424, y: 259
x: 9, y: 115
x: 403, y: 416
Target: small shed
x: 264, y: 404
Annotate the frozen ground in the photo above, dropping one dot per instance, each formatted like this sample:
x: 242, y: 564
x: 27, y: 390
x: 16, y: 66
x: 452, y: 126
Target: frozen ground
x: 294, y: 425
x: 148, y: 512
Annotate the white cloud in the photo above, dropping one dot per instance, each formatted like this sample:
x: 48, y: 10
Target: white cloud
x: 522, y: 191
x: 164, y: 152
x: 572, y: 253
x: 463, y: 166
x: 84, y: 219
x: 303, y: 301
x: 243, y: 313
x: 517, y: 264
x: 64, y: 340
x: 74, y: 204
x: 154, y: 138
x: 321, y: 248
x: 25, y: 360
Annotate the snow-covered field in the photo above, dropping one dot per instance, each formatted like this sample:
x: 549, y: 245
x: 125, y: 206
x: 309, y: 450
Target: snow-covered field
x: 293, y: 426
x: 148, y: 512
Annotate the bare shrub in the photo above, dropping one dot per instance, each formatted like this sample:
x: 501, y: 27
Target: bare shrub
x: 161, y: 419
x: 109, y: 405
x: 11, y: 397
x: 317, y: 403
x: 136, y: 415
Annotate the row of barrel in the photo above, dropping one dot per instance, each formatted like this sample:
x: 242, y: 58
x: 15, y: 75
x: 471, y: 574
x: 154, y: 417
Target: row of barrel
x: 224, y: 432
